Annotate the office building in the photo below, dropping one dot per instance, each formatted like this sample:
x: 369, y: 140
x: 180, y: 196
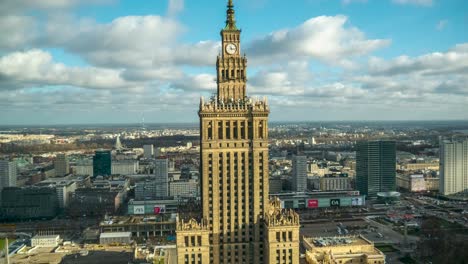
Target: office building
x: 148, y: 151
x: 275, y: 184
x: 28, y: 203
x: 65, y: 191
x: 453, y: 167
x: 83, y: 168
x: 184, y: 188
x: 236, y: 212
x: 375, y: 167
x: 125, y: 167
x: 48, y: 241
x: 61, y: 165
x: 146, y: 190
x: 115, y: 238
x: 7, y: 175
x: 96, y: 201
x: 102, y: 163
x: 299, y: 173
x: 161, y: 176
x: 335, y: 183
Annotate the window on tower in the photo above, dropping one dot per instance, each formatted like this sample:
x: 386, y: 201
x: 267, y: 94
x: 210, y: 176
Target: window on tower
x: 228, y: 130
x: 220, y: 130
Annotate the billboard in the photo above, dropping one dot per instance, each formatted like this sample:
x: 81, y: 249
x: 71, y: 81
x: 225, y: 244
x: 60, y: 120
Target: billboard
x: 335, y: 202
x: 356, y: 201
x: 139, y: 209
x: 312, y: 204
x: 159, y: 209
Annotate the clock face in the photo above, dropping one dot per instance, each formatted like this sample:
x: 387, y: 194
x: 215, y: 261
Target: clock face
x: 231, y: 48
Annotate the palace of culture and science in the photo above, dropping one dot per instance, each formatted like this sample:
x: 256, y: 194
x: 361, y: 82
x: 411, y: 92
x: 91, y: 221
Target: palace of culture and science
x: 239, y: 223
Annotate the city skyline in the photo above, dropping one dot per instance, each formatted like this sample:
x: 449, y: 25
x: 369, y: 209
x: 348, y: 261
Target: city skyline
x: 70, y: 63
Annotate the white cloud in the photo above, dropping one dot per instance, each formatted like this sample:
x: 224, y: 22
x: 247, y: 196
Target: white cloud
x: 16, y: 31
x: 36, y: 68
x: 325, y: 38
x: 175, y: 7
x: 414, y: 2
x: 14, y: 6
x: 132, y: 41
x: 453, y: 61
x: 199, y: 82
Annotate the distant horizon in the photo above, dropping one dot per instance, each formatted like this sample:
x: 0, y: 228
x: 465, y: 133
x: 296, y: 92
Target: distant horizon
x: 196, y: 123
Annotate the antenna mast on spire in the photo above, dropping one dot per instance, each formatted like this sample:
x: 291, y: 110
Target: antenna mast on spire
x: 231, y: 19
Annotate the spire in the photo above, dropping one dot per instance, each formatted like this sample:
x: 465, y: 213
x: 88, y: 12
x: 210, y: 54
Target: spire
x: 231, y: 19
x: 118, y: 144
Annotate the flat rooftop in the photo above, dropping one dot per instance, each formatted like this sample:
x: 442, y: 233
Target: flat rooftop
x: 135, y: 220
x: 46, y: 236
x: 116, y: 234
x: 337, y: 241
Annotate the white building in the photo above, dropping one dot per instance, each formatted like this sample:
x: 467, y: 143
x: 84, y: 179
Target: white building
x: 45, y: 241
x: 148, y: 151
x: 7, y: 175
x: 124, y: 167
x: 65, y: 190
x: 335, y: 183
x: 161, y: 174
x: 453, y: 166
x: 299, y: 173
x: 184, y: 188
x: 115, y: 238
x: 61, y: 165
x: 83, y: 169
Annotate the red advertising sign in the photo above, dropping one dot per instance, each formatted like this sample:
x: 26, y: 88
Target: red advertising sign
x: 159, y: 209
x: 312, y: 204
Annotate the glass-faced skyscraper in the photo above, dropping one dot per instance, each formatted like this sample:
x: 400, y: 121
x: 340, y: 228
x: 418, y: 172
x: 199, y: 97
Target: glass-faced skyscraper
x: 102, y: 163
x: 239, y: 224
x: 375, y: 167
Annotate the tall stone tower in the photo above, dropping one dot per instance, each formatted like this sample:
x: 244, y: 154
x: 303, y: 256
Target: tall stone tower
x: 234, y: 167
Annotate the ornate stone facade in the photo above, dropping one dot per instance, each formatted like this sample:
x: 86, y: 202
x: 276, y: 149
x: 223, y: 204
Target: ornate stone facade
x: 282, y: 234
x: 234, y: 168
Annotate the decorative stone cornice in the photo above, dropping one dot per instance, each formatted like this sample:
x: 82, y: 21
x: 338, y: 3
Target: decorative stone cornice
x: 280, y: 217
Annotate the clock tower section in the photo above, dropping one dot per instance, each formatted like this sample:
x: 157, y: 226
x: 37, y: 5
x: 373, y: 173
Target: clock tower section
x: 231, y: 66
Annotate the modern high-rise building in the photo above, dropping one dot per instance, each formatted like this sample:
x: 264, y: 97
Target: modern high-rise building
x: 148, y: 151
x: 239, y: 224
x: 375, y: 167
x: 7, y: 175
x: 161, y: 174
x: 299, y: 173
x: 453, y: 167
x: 61, y: 165
x: 102, y: 163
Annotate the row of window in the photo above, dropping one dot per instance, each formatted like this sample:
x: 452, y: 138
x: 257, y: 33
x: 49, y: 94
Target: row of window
x: 193, y: 241
x: 235, y: 130
x: 193, y: 258
x: 284, y: 236
x: 230, y: 74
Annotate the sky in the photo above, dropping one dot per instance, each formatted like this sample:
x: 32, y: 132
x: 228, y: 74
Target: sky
x: 122, y: 61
